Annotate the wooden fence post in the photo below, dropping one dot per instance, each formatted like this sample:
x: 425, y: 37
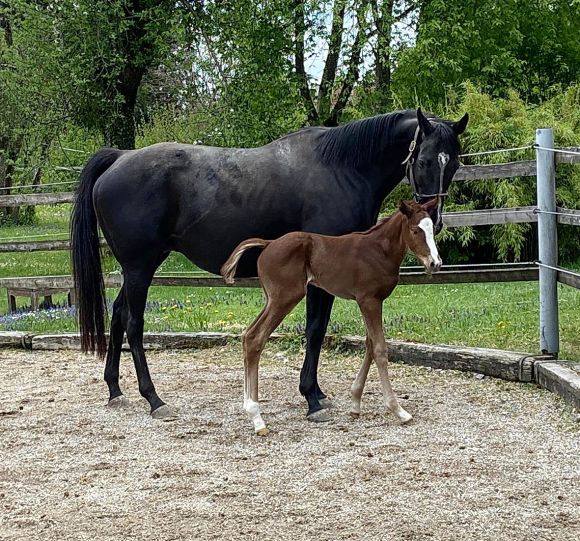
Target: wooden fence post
x: 547, y: 243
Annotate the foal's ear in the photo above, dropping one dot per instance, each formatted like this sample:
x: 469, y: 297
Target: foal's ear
x: 406, y: 208
x: 424, y: 123
x: 460, y: 125
x: 430, y: 205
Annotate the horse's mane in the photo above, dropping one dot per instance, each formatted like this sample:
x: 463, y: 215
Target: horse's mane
x: 358, y: 142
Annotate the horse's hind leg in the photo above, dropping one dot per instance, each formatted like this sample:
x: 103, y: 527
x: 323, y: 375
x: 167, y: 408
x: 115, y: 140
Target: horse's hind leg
x: 318, y: 309
x: 136, y: 285
x: 356, y: 389
x: 118, y: 324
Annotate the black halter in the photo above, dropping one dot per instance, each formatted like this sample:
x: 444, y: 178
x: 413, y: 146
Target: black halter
x: 409, y: 161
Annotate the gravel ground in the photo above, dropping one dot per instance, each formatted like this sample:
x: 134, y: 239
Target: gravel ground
x: 484, y: 459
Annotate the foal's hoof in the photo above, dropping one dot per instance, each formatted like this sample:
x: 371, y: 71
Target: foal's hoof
x: 164, y: 413
x: 118, y: 402
x: 325, y: 403
x: 262, y: 432
x: 405, y: 417
x: 320, y: 416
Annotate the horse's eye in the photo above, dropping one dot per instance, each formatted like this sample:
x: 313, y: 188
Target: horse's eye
x: 421, y: 162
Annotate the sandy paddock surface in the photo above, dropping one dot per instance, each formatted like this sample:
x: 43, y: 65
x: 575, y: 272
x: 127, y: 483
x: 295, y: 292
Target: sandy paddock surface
x: 484, y: 459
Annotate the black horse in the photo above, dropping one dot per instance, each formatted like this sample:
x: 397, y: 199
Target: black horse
x: 203, y: 201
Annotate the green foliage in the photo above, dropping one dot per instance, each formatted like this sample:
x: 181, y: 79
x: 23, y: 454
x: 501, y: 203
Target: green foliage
x: 503, y: 123
x: 526, y: 45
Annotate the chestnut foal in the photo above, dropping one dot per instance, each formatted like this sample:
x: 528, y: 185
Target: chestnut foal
x: 360, y: 266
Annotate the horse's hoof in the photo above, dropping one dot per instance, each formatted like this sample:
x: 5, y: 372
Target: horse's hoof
x: 354, y: 414
x: 325, y: 403
x: 262, y: 432
x: 164, y: 413
x: 118, y: 402
x: 320, y: 416
x: 405, y: 418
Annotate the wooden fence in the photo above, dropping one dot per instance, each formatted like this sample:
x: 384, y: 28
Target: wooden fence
x: 410, y: 275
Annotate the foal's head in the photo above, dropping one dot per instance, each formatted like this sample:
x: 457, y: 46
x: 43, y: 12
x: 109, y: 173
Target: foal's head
x: 419, y: 234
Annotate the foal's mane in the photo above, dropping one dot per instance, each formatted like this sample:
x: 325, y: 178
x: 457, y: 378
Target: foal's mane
x: 379, y: 224
x: 360, y: 141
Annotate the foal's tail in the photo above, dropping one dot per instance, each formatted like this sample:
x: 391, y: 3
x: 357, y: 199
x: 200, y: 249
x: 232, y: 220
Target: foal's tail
x: 228, y: 269
x: 86, y: 257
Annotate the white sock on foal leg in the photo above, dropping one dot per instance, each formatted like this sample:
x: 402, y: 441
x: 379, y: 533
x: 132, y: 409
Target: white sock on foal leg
x: 253, y: 410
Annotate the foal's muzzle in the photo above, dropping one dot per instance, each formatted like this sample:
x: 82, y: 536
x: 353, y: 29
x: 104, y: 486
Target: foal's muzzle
x: 432, y: 265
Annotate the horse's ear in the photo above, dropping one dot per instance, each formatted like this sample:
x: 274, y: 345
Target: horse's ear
x: 430, y: 205
x: 460, y: 125
x: 424, y: 123
x: 406, y: 209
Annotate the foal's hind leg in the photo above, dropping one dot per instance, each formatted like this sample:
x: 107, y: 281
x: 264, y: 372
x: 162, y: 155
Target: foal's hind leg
x: 254, y: 340
x: 118, y: 324
x: 357, y: 387
x: 371, y: 309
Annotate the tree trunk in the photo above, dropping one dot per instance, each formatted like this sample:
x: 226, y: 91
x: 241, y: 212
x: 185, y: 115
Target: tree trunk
x: 121, y: 132
x: 8, y: 155
x: 353, y: 67
x: 384, y: 25
x: 299, y: 32
x: 331, y: 63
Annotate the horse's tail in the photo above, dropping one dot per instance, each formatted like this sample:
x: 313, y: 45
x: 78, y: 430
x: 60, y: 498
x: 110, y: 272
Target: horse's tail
x: 228, y: 269
x: 86, y: 256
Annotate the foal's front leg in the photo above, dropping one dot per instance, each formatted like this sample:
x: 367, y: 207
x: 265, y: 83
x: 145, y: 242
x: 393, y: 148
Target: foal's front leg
x: 358, y: 385
x: 372, y: 310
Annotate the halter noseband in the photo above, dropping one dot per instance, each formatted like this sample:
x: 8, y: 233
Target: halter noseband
x: 442, y: 159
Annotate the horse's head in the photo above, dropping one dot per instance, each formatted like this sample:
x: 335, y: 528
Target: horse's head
x: 433, y: 159
x: 419, y: 234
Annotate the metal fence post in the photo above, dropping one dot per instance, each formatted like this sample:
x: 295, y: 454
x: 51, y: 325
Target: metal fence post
x: 547, y: 243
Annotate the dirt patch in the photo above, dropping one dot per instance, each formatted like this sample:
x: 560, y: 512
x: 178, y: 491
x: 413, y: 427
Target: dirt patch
x: 484, y: 459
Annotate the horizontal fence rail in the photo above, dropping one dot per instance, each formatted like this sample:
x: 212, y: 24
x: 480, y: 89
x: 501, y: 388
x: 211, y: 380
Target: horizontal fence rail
x: 27, y: 199
x: 514, y: 215
x: 452, y: 274
x: 39, y: 246
x: 465, y: 172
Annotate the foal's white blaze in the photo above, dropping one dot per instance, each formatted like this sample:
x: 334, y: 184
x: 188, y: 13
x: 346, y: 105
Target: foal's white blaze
x: 426, y: 224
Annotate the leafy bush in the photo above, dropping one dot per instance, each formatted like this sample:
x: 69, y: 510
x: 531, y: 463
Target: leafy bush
x: 504, y: 123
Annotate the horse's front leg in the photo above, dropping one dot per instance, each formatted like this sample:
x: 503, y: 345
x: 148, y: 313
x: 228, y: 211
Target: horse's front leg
x: 372, y: 310
x: 318, y: 309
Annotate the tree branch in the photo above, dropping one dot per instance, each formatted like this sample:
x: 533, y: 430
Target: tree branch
x: 330, y: 66
x: 353, y: 69
x: 299, y: 32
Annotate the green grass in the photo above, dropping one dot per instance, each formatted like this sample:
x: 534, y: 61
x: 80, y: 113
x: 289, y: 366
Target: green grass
x: 498, y: 315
